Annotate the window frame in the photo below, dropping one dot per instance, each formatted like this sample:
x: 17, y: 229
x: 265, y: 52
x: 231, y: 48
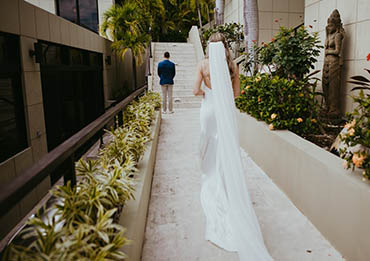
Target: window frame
x: 78, y: 15
x: 13, y: 71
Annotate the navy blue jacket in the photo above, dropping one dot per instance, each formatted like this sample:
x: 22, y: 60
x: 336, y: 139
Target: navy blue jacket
x: 166, y: 71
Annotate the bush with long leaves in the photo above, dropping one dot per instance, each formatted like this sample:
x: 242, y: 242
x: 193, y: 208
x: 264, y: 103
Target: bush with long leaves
x: 80, y: 225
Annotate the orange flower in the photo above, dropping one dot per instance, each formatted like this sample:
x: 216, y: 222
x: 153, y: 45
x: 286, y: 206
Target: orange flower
x: 259, y: 99
x: 368, y: 57
x: 247, y: 87
x: 358, y: 159
x: 254, y: 41
x: 271, y: 126
x: 242, y: 92
x: 350, y: 125
x: 299, y: 120
x: 273, y: 39
x: 273, y: 116
x: 314, y: 120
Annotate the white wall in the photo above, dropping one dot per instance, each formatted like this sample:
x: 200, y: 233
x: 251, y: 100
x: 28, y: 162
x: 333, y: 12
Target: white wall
x: 355, y: 16
x: 290, y: 13
x: 48, y: 5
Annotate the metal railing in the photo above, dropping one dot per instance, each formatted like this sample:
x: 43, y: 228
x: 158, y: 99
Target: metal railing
x: 12, y: 193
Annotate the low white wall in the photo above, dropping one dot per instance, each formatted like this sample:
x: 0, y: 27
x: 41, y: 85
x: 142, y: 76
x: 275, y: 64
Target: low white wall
x: 195, y: 39
x: 335, y: 200
x: 134, y: 214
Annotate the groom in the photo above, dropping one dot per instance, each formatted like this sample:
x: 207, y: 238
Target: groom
x: 166, y: 71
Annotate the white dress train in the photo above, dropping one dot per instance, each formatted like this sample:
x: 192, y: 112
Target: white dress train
x: 231, y: 222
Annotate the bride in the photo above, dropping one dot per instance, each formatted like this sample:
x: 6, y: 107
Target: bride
x: 231, y: 221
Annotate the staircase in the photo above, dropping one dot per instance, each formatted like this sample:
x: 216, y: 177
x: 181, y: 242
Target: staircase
x: 183, y: 55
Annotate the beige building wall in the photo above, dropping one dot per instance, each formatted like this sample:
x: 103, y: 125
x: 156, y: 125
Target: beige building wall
x: 289, y: 13
x: 355, y: 16
x: 32, y: 23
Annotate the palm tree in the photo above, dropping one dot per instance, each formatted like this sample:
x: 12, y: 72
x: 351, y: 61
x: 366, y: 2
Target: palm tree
x: 251, y: 27
x: 219, y: 11
x: 125, y: 25
x: 202, y: 7
x: 251, y: 24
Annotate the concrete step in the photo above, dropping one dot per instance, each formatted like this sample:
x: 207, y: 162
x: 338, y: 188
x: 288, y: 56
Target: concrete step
x: 185, y: 60
x: 186, y: 99
x: 188, y: 88
x: 182, y: 66
x: 186, y: 105
x: 177, y: 93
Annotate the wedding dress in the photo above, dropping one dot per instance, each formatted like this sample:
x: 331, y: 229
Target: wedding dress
x: 231, y: 222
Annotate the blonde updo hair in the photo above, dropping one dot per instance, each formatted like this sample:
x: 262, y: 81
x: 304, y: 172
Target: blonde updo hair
x: 219, y: 37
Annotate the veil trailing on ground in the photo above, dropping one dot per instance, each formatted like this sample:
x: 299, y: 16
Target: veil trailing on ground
x: 239, y: 216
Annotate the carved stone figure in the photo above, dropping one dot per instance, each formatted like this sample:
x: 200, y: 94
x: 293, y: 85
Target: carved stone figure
x: 331, y: 75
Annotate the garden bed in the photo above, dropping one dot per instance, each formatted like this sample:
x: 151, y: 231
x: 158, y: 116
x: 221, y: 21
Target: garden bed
x: 79, y: 223
x: 135, y: 211
x: 335, y: 200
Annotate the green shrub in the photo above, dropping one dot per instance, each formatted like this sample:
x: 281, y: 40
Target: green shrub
x: 357, y: 134
x: 281, y: 103
x: 81, y: 224
x: 292, y: 53
x: 233, y: 33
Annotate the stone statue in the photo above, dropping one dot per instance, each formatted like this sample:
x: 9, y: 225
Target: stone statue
x: 331, y: 80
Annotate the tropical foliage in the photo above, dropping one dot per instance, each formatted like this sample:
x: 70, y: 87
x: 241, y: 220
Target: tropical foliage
x: 284, y: 96
x: 127, y: 25
x: 291, y: 53
x: 80, y: 225
x: 233, y: 32
x: 356, y: 134
x: 281, y: 103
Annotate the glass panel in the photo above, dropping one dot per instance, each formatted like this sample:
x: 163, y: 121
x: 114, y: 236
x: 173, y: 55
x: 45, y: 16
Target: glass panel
x: 68, y: 10
x: 51, y: 54
x: 12, y: 126
x: 89, y: 14
x: 13, y: 137
x: 76, y: 57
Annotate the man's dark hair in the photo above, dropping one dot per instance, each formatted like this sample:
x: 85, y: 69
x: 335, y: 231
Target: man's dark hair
x: 167, y: 54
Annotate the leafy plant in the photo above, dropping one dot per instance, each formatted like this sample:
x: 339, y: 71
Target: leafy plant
x: 291, y: 54
x: 80, y: 225
x: 281, y: 103
x: 233, y: 33
x: 356, y: 136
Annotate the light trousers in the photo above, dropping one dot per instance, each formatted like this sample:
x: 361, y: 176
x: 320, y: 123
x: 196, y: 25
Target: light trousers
x: 167, y: 95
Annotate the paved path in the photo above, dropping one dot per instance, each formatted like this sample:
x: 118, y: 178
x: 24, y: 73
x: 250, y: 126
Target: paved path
x: 175, y: 225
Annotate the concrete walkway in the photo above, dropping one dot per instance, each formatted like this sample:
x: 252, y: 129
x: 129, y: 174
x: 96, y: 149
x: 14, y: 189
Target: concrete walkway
x: 175, y: 225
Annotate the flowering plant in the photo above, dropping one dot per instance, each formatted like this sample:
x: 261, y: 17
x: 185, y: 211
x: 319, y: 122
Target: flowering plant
x: 356, y: 135
x: 281, y: 103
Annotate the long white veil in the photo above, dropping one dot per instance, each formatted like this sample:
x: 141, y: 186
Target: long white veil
x: 246, y: 234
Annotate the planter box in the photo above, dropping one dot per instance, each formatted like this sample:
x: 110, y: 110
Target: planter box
x: 134, y: 213
x: 335, y: 200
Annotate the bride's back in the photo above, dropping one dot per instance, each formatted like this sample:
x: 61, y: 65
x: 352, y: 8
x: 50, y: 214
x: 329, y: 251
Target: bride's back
x: 204, y: 70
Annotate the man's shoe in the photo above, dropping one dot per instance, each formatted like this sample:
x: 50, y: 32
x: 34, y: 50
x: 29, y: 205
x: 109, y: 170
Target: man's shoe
x: 164, y: 112
x: 171, y: 112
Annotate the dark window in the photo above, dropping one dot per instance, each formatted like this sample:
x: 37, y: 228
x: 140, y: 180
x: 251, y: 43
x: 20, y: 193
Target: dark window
x: 68, y: 10
x: 82, y: 12
x: 72, y: 86
x: 89, y: 14
x: 13, y: 136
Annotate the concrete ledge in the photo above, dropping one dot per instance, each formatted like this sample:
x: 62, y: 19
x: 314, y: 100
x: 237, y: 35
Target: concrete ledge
x: 335, y: 200
x: 134, y: 214
x: 194, y: 38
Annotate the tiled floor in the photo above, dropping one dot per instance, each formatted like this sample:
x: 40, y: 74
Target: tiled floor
x: 175, y: 225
